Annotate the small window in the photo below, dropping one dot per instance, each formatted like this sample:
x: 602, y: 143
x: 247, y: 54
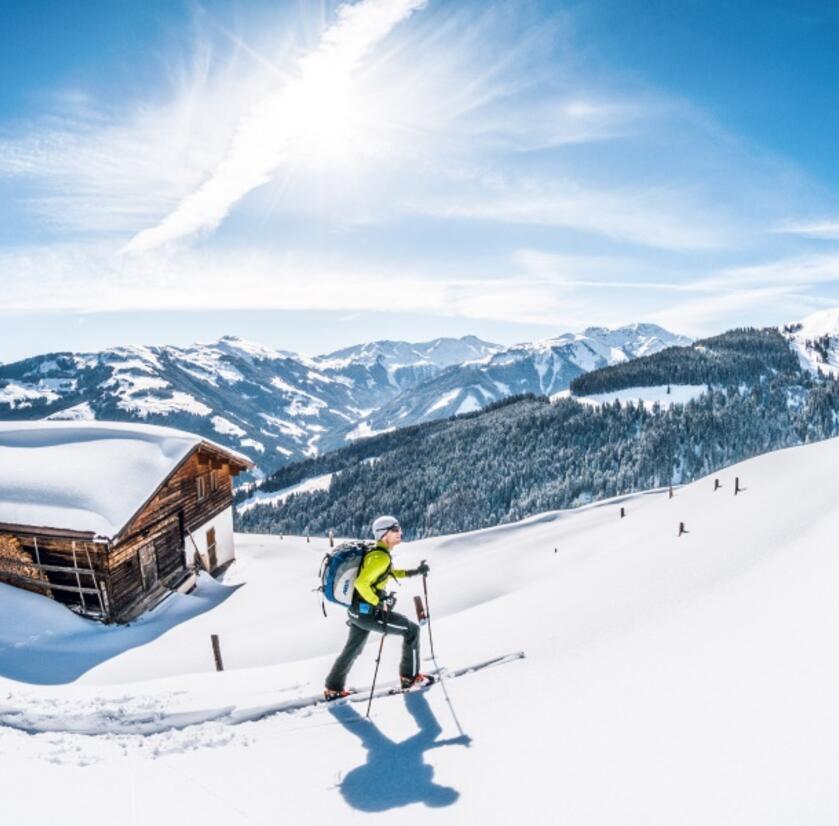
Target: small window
x: 201, y: 487
x: 213, y: 480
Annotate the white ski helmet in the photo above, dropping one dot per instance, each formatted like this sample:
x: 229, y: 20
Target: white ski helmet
x: 383, y: 524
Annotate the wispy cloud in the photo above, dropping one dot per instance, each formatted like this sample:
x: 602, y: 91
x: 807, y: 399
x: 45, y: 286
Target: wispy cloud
x: 97, y: 168
x: 760, y: 306
x: 793, y: 271
x: 827, y: 229
x: 82, y: 279
x: 604, y: 272
x: 769, y: 292
x: 307, y: 108
x: 638, y: 215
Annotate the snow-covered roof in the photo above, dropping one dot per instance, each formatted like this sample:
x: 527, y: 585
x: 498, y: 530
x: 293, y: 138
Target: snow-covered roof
x: 87, y: 476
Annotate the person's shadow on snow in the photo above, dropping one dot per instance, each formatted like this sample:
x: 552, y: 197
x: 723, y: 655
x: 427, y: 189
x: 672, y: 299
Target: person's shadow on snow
x: 396, y: 774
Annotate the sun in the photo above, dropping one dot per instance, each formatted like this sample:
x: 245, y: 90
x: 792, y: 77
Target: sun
x: 320, y: 109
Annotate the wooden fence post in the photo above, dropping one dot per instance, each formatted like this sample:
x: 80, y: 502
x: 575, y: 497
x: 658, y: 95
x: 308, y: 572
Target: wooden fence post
x: 736, y: 485
x: 623, y: 513
x: 682, y: 528
x: 217, y: 652
x: 716, y: 484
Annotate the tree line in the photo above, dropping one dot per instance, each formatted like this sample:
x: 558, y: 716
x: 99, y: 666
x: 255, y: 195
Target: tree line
x: 528, y: 454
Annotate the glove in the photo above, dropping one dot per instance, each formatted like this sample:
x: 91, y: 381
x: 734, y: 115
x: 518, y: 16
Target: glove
x: 422, y: 569
x: 386, y: 603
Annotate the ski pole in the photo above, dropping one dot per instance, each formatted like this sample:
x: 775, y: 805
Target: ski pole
x: 428, y: 617
x: 378, y: 660
x: 434, y: 656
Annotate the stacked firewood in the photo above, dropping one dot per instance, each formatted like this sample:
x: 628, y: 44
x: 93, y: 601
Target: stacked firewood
x: 15, y: 563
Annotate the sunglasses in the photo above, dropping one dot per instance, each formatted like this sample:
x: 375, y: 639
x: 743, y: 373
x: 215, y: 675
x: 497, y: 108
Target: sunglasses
x: 394, y: 528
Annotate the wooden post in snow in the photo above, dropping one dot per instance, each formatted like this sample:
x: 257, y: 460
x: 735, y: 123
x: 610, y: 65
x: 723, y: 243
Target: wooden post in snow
x: 737, y: 487
x: 682, y: 528
x: 670, y: 496
x: 623, y: 512
x: 217, y: 652
x: 422, y: 616
x: 717, y: 485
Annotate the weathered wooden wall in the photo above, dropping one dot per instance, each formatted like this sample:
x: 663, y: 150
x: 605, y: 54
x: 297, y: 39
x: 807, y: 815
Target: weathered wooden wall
x: 162, y: 528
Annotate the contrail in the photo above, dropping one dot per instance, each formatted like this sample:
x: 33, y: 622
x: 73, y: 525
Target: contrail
x: 263, y: 137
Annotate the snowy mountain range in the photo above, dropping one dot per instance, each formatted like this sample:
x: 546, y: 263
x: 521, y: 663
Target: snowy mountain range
x: 542, y: 367
x: 682, y: 412
x: 278, y: 406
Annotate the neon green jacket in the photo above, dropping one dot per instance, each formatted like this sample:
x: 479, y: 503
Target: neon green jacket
x: 376, y: 570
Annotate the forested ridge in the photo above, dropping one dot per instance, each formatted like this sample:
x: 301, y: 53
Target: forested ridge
x: 742, y: 355
x: 528, y: 454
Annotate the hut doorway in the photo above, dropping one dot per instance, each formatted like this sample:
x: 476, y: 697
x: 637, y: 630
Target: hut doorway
x: 211, y: 549
x: 148, y: 566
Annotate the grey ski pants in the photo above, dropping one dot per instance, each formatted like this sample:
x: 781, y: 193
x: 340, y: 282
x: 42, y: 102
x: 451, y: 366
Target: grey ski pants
x: 360, y: 627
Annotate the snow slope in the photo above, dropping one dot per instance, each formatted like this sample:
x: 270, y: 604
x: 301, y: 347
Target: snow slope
x: 668, y: 679
x: 664, y: 395
x: 276, y: 497
x: 815, y: 340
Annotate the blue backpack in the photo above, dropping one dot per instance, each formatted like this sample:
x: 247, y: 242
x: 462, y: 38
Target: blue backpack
x: 338, y: 572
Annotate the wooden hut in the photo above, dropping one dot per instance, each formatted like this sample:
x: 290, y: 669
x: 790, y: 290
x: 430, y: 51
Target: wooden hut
x: 108, y: 518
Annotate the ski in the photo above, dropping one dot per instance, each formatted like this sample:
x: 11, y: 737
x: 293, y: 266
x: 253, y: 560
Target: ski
x: 361, y: 694
x: 392, y: 688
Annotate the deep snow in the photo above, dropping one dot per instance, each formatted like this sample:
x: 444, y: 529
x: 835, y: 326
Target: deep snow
x: 668, y: 679
x: 86, y: 476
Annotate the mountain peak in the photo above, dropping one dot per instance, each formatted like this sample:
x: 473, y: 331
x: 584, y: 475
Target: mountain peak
x: 252, y: 349
x: 437, y: 353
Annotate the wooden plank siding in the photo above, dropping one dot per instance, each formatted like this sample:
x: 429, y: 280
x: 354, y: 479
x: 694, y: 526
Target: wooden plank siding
x: 157, y: 535
x: 161, y: 526
x: 126, y: 588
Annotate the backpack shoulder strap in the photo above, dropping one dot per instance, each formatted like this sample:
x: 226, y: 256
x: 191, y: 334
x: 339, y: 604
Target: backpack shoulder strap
x: 384, y: 577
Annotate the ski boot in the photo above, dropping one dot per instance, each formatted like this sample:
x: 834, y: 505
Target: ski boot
x: 417, y: 681
x: 330, y: 694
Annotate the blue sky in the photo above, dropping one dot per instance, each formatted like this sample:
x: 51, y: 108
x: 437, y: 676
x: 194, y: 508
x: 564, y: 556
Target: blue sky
x: 312, y: 174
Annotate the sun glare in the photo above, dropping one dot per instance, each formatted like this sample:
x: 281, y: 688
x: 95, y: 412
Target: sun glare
x: 319, y: 111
